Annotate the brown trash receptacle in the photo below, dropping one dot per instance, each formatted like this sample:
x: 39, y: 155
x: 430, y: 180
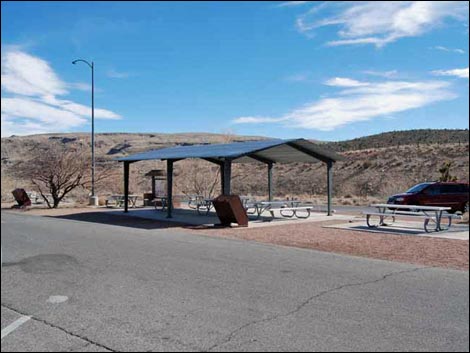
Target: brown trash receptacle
x: 148, y: 199
x: 230, y: 209
x: 21, y: 197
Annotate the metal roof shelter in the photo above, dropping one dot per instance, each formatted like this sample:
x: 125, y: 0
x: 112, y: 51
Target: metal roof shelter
x: 264, y: 151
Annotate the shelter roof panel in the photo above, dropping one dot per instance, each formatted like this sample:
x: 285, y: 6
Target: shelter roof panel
x: 276, y: 150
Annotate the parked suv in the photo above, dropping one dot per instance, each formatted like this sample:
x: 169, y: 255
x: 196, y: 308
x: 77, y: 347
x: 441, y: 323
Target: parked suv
x: 451, y: 194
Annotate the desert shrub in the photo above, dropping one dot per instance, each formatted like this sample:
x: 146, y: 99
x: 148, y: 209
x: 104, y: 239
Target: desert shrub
x: 445, y: 172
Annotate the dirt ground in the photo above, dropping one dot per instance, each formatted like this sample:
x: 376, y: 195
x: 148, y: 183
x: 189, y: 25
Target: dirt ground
x: 426, y: 251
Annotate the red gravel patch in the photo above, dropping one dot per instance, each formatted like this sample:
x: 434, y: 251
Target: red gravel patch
x: 448, y: 253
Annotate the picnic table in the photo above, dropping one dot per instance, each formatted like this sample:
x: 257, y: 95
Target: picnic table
x: 205, y: 205
x: 194, y: 201
x: 163, y: 202
x: 119, y: 200
x: 263, y: 206
x: 432, y: 214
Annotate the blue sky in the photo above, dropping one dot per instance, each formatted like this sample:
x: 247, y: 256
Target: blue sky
x: 327, y: 71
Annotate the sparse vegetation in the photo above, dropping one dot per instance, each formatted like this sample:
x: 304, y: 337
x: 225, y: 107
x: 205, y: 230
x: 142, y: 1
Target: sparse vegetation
x: 416, y: 138
x: 366, y: 173
x: 445, y: 173
x: 56, y: 171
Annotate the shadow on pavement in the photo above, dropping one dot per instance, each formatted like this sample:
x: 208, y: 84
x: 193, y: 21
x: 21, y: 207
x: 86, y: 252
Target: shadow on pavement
x: 122, y: 221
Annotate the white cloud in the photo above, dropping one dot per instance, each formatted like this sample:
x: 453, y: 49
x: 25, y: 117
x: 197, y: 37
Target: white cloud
x: 292, y: 3
x: 256, y: 120
x: 11, y: 127
x: 461, y: 73
x: 383, y: 22
x: 451, y: 50
x: 26, y: 108
x: 81, y: 86
x: 344, y: 82
x: 32, y: 105
x: 116, y: 74
x: 385, y: 74
x: 301, y: 77
x: 79, y: 109
x: 29, y: 75
x: 361, y: 102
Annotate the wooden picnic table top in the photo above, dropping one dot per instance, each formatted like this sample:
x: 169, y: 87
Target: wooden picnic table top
x: 413, y: 207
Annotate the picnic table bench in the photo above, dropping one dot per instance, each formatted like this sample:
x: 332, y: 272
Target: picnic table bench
x: 163, y: 202
x: 293, y: 211
x: 194, y: 201
x: 119, y: 200
x: 429, y: 214
x: 205, y: 205
x: 287, y: 208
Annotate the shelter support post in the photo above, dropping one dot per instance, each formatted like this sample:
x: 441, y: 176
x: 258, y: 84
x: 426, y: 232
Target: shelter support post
x: 270, y: 181
x: 153, y: 187
x: 169, y: 187
x: 226, y: 169
x: 126, y: 186
x: 329, y: 166
x: 222, y: 178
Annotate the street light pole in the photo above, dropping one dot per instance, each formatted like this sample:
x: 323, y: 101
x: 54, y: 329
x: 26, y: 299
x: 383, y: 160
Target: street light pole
x: 92, y: 129
x: 93, y: 198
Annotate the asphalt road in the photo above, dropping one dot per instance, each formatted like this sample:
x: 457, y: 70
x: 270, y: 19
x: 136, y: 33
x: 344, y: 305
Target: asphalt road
x: 95, y: 287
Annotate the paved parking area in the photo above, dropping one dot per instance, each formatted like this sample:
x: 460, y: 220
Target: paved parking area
x: 22, y: 333
x: 94, y: 287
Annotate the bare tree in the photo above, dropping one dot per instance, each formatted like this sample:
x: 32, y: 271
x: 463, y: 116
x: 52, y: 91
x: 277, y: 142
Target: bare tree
x: 199, y: 178
x: 57, y: 171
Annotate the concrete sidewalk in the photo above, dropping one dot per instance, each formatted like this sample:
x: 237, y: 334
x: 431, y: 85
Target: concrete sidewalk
x: 456, y: 231
x: 191, y: 217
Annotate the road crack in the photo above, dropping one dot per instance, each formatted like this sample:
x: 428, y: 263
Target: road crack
x: 299, y: 307
x: 42, y: 321
x: 88, y: 341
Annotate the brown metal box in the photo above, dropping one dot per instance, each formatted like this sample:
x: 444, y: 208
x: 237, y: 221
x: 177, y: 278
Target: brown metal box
x: 21, y: 197
x: 230, y: 209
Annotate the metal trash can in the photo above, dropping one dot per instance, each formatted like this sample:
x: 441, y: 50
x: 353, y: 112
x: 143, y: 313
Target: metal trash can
x: 229, y: 209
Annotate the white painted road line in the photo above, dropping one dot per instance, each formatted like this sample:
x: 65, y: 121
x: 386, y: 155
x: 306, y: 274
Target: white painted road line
x: 13, y: 326
x: 57, y: 299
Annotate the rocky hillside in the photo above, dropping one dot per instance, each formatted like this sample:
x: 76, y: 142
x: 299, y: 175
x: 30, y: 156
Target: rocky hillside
x: 401, y: 138
x: 375, y: 165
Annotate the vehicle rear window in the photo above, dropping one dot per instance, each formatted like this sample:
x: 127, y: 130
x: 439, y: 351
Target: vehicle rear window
x: 451, y: 189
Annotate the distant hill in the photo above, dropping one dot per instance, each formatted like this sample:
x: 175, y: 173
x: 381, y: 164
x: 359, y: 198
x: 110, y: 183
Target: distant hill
x: 376, y: 165
x: 401, y: 138
x: 109, y: 145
